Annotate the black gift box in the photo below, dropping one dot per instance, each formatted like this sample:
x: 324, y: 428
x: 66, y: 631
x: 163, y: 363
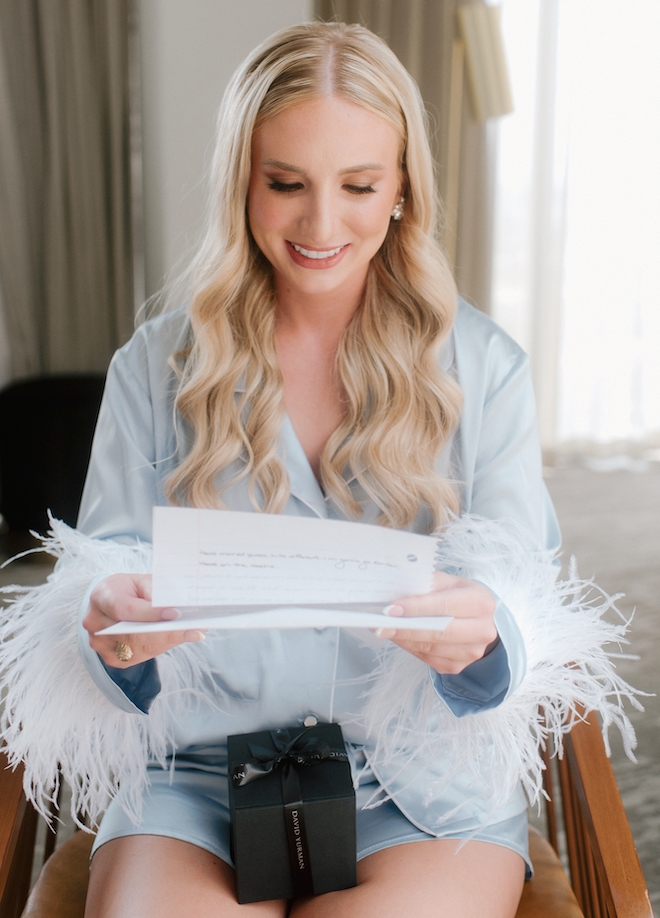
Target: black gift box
x: 292, y: 813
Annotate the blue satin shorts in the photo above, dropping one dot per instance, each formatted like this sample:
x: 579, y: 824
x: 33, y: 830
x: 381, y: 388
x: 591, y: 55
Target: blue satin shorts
x: 190, y: 803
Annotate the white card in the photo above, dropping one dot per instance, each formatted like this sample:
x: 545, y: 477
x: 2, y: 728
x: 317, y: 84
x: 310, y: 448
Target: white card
x: 225, y: 569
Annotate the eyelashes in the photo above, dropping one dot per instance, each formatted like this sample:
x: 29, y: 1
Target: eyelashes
x: 361, y: 189
x: 290, y: 187
x: 284, y: 187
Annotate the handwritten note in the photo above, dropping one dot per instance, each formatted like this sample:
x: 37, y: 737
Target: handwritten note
x: 245, y: 570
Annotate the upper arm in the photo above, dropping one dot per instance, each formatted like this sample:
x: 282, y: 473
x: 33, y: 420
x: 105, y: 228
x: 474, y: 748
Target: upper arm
x: 500, y: 455
x: 134, y: 446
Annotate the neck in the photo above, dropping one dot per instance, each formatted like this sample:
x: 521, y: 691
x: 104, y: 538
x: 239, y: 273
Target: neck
x: 326, y: 314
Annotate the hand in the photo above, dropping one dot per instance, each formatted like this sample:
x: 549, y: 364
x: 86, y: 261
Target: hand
x: 470, y: 635
x: 127, y: 597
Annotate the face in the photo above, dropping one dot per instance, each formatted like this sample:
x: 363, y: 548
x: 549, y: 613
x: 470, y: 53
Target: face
x: 325, y: 177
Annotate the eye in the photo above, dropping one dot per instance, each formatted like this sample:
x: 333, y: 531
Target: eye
x: 360, y: 189
x: 285, y: 187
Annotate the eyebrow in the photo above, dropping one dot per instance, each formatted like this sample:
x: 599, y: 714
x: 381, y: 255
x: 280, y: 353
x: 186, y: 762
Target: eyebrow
x: 363, y: 167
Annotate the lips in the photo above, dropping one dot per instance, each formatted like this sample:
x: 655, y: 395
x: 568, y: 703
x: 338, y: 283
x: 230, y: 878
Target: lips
x: 316, y: 258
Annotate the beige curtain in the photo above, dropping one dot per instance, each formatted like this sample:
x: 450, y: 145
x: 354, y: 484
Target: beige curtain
x: 65, y: 202
x: 422, y: 34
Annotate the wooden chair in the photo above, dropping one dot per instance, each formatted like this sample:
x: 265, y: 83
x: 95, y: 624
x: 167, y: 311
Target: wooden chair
x: 606, y: 876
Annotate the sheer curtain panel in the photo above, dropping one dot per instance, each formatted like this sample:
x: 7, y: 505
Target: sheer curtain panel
x: 577, y: 269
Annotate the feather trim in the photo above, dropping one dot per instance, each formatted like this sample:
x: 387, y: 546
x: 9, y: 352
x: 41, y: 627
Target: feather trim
x: 571, y: 651
x: 55, y: 713
x: 53, y: 710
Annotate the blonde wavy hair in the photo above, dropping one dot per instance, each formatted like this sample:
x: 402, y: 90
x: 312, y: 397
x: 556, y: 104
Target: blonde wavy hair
x: 400, y: 406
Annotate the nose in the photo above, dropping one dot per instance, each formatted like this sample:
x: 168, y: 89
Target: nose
x: 319, y: 219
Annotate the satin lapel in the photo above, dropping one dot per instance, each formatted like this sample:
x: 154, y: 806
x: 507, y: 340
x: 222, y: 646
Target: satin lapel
x: 304, y: 485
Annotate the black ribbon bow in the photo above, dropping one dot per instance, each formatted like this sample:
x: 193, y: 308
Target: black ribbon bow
x: 302, y: 749
x: 290, y: 753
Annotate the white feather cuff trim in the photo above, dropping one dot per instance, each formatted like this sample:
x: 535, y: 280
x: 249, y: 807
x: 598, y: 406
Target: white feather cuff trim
x: 571, y: 651
x: 53, y: 710
x: 55, y: 713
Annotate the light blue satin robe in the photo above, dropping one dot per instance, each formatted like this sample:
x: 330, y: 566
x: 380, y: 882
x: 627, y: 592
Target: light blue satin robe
x: 278, y: 678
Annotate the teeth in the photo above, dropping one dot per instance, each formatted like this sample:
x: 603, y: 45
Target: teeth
x: 308, y: 253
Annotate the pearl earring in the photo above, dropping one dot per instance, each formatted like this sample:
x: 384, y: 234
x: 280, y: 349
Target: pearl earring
x: 397, y: 210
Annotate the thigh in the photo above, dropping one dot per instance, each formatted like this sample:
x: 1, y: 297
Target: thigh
x: 439, y: 878
x: 150, y: 876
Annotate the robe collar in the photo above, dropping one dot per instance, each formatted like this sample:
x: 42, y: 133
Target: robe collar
x: 303, y: 482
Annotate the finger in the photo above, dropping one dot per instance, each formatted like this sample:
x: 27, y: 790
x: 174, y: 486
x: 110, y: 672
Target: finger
x: 142, y: 647
x: 466, y: 600
x: 402, y: 637
x: 451, y: 659
x: 131, y: 609
x: 195, y: 636
x: 143, y: 584
x: 444, y: 581
x: 152, y: 644
x: 478, y: 632
x: 455, y: 651
x: 440, y: 603
x: 96, y: 620
x: 128, y: 599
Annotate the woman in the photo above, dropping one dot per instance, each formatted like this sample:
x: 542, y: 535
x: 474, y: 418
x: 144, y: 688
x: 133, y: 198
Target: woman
x: 337, y: 283
x: 321, y: 369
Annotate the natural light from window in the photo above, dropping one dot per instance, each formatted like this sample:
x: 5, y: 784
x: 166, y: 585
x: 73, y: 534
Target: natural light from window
x: 577, y: 267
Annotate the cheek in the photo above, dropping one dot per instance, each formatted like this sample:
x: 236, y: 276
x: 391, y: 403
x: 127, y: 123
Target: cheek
x: 265, y: 214
x: 373, y: 223
x: 255, y: 212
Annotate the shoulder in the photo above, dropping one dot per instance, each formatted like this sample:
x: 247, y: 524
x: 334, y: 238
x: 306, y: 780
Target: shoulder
x: 483, y: 351
x: 477, y: 331
x: 146, y: 356
x: 162, y: 335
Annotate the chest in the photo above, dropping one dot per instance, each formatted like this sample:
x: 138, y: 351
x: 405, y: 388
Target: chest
x: 312, y: 398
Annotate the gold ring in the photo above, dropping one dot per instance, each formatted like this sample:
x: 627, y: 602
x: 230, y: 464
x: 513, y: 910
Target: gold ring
x: 123, y: 651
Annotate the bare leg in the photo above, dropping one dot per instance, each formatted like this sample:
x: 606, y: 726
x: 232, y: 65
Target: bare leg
x: 428, y: 879
x: 150, y: 876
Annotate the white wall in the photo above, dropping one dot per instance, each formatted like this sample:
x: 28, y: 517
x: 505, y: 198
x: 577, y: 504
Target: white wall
x: 189, y: 50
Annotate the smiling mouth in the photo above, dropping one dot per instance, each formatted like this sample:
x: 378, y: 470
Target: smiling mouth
x: 315, y: 254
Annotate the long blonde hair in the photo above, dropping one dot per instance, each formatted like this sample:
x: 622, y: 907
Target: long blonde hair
x: 400, y: 407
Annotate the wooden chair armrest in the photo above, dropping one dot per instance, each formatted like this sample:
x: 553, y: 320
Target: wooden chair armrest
x: 605, y: 870
x: 18, y: 825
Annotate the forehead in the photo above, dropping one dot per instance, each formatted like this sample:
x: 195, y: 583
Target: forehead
x: 326, y: 130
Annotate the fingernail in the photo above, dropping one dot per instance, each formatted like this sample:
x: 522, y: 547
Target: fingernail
x: 385, y: 633
x: 194, y: 636
x: 395, y: 610
x: 169, y: 615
